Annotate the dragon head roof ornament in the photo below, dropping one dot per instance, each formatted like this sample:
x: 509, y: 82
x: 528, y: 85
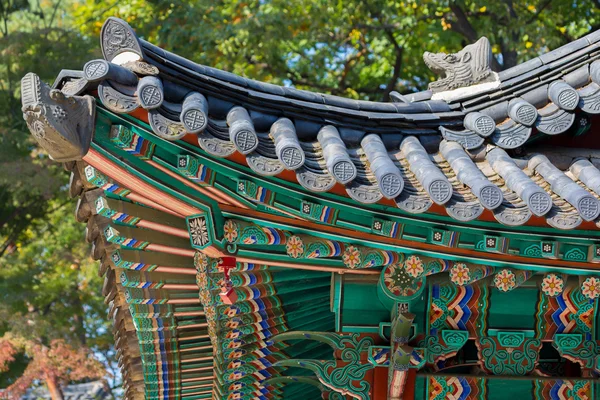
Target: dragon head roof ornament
x: 468, y: 67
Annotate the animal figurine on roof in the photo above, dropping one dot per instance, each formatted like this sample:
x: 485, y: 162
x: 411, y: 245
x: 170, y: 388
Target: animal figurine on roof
x: 469, y: 66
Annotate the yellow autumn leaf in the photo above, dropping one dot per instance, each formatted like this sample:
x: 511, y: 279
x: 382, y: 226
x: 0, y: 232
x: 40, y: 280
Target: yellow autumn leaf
x: 531, y: 8
x: 482, y: 9
x: 445, y: 24
x: 528, y: 45
x: 562, y: 29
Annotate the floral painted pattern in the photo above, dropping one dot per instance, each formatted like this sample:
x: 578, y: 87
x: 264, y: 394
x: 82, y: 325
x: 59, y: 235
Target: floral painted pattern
x: 231, y: 231
x: 460, y: 274
x: 398, y: 281
x: 199, y: 231
x: 552, y: 285
x: 391, y: 279
x: 294, y: 247
x: 200, y: 261
x: 210, y: 313
x: 205, y: 297
x: 591, y: 288
x: 231, y: 311
x: 202, y: 280
x: 352, y: 257
x: 414, y: 266
x: 505, y: 280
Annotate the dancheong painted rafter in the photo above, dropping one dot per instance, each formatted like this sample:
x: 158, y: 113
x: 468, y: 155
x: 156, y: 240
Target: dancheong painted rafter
x: 263, y: 242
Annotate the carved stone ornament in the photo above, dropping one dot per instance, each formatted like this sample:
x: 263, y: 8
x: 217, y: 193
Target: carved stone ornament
x: 313, y: 181
x: 464, y: 211
x: 512, y: 216
x: 75, y: 86
x: 117, y: 37
x: 413, y: 203
x: 198, y: 227
x: 116, y: 101
x: 264, y: 165
x: 367, y: 194
x: 469, y: 140
x: 469, y: 66
x: 553, y: 121
x: 510, y: 135
x: 215, y: 146
x: 63, y: 125
x: 590, y: 98
x: 164, y: 127
x: 563, y: 220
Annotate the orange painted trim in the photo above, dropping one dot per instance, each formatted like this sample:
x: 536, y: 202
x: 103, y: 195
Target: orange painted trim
x: 308, y: 225
x: 134, y: 183
x: 179, y: 286
x: 169, y: 230
x: 147, y: 202
x: 183, y: 301
x: 210, y: 385
x: 307, y: 267
x: 204, y: 378
x: 181, y: 327
x: 170, y: 250
x: 209, y: 192
x: 209, y: 347
x: 189, y: 313
x: 411, y: 383
x: 131, y: 182
x: 208, y: 368
x: 175, y: 270
x: 380, y: 383
x: 197, y: 359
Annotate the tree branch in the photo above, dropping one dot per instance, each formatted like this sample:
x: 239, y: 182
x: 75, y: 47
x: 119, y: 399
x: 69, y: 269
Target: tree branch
x: 463, y: 25
x: 399, y: 50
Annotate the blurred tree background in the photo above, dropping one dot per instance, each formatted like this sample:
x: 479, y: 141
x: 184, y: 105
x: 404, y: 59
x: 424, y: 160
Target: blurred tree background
x: 50, y: 294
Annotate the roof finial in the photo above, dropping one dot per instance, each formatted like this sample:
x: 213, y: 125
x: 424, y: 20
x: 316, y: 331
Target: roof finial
x: 469, y: 66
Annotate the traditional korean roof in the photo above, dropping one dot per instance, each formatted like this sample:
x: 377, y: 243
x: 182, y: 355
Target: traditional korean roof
x: 252, y: 236
x: 470, y: 143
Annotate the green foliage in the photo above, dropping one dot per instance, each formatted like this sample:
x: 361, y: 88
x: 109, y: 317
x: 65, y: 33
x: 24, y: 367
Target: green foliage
x: 33, y: 38
x: 358, y: 49
x: 49, y: 288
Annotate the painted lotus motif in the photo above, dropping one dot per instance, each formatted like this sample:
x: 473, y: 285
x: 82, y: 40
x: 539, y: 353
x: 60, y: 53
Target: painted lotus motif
x: 199, y: 231
x: 390, y: 278
x: 210, y: 313
x: 205, y: 297
x: 552, y: 285
x: 200, y: 261
x: 460, y: 274
x: 414, y: 266
x: 398, y: 282
x: 591, y: 288
x: 505, y: 280
x: 231, y: 231
x: 294, y: 247
x: 202, y: 280
x: 352, y: 257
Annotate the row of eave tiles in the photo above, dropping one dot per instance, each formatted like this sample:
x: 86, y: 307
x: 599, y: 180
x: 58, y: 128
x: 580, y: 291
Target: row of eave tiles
x: 513, y: 189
